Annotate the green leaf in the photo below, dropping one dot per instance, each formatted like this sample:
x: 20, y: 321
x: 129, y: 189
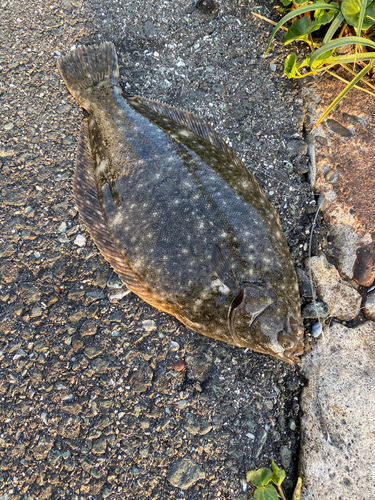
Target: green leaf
x: 291, y: 68
x: 316, y: 57
x: 259, y: 477
x: 266, y: 493
x: 278, y: 475
x: 300, y: 30
x: 351, y: 11
x: 286, y: 2
x: 295, y: 13
x: 324, y: 16
x: 300, y: 2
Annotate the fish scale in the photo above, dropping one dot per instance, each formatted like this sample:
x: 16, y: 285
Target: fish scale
x: 178, y: 215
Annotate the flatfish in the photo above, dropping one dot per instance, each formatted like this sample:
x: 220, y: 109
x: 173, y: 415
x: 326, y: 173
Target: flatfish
x: 178, y: 216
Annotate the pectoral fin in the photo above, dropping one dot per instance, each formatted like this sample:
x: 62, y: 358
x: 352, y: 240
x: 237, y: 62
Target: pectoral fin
x: 223, y: 267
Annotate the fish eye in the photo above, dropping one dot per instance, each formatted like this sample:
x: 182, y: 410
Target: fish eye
x: 287, y: 344
x: 284, y: 340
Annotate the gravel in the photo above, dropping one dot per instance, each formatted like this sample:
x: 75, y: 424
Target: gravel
x: 101, y: 396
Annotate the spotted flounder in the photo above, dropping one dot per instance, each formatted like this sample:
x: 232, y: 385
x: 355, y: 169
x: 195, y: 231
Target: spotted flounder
x: 178, y: 216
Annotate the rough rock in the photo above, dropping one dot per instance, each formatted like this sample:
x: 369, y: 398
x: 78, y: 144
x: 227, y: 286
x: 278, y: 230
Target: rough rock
x: 338, y: 428
x: 342, y: 300
x: 341, y: 150
x: 41, y: 450
x: 369, y: 306
x: 185, y: 473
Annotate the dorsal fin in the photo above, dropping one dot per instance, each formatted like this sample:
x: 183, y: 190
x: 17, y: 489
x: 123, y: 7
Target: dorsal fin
x: 195, y: 124
x: 89, y: 207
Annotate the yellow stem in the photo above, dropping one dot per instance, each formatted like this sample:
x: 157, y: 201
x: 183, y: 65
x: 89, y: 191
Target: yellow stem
x: 281, y: 493
x: 268, y: 20
x: 353, y: 73
x: 346, y: 81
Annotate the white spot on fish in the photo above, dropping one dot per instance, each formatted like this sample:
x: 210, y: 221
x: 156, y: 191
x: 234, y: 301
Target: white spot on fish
x: 221, y: 287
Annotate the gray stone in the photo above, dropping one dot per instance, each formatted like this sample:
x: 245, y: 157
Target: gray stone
x: 88, y: 328
x: 342, y: 300
x: 69, y: 427
x: 307, y: 287
x: 315, y: 310
x: 316, y: 329
x: 369, y: 307
x: 149, y: 28
x: 36, y: 312
x: 185, y: 473
x: 338, y: 428
x: 338, y: 128
x: 93, y: 351
x: 149, y: 325
x: 195, y: 426
x: 99, y: 446
x: 141, y: 377
x: 286, y: 456
x: 218, y: 88
x: 44, y: 445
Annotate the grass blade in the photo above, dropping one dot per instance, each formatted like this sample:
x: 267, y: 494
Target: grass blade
x: 342, y: 94
x: 362, y: 14
x: 339, y: 42
x: 353, y: 73
x: 350, y: 58
x: 295, y: 13
x: 333, y: 28
x: 355, y: 86
x: 267, y: 20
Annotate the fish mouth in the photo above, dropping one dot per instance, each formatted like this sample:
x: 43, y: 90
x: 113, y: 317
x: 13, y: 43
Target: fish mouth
x: 292, y: 356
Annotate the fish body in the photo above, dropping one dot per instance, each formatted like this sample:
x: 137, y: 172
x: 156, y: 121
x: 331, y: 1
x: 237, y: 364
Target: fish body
x: 178, y: 216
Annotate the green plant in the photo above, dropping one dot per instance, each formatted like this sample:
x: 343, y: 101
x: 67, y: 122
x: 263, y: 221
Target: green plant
x: 355, y: 18
x: 261, y: 479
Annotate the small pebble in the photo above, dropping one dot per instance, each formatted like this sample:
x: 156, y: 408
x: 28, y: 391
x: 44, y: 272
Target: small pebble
x: 119, y: 295
x: 182, y: 403
x: 292, y: 425
x: 273, y: 67
x: 178, y: 366
x: 80, y: 240
x: 149, y: 325
x: 62, y: 227
x: 315, y: 310
x: 174, y: 346
x: 316, y: 329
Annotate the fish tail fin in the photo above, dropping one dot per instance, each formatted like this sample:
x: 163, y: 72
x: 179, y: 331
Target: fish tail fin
x: 88, y: 66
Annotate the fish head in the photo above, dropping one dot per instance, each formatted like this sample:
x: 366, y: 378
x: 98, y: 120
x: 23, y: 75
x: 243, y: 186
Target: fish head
x: 262, y: 321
